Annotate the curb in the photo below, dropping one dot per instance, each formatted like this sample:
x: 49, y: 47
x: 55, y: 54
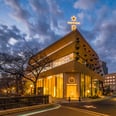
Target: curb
x: 86, y: 100
x: 94, y: 100
x: 16, y: 110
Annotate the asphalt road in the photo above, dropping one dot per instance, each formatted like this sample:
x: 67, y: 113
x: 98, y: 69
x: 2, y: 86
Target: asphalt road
x: 107, y: 106
x: 62, y: 111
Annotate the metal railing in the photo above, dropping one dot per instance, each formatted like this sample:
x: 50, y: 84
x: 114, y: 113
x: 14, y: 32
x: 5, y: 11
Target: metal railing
x: 16, y: 102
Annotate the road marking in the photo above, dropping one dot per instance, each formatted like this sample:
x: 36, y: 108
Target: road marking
x: 37, y: 112
x: 89, y: 106
x: 91, y: 113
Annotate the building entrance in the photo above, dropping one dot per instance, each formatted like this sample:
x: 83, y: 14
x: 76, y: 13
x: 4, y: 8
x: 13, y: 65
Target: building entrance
x: 72, y: 91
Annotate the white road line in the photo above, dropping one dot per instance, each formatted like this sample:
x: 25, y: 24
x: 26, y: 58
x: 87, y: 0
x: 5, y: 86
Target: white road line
x: 37, y: 112
x: 89, y: 106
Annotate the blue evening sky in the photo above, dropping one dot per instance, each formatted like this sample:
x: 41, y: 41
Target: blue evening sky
x: 42, y: 22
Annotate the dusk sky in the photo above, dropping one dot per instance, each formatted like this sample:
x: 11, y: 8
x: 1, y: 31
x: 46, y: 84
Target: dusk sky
x: 42, y: 22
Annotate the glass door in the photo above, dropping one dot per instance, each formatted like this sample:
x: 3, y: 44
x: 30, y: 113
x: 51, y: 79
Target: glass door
x: 72, y: 92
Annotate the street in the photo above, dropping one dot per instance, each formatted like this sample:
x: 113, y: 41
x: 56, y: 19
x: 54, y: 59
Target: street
x: 105, y: 106
x: 62, y: 111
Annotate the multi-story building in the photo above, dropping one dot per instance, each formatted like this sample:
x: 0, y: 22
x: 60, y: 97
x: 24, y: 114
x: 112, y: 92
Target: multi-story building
x: 110, y: 81
x: 74, y: 71
x: 104, y: 68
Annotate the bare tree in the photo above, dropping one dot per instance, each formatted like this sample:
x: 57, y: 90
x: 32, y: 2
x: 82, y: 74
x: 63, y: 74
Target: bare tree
x: 13, y: 65
x: 35, y: 66
x: 6, y: 82
x: 25, y: 64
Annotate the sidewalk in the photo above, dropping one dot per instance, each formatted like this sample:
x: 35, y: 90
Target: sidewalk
x: 86, y: 100
x: 21, y: 109
x: 95, y: 99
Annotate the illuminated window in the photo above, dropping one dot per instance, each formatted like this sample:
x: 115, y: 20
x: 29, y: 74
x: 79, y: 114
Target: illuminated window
x: 49, y: 85
x: 113, y: 77
x: 82, y: 85
x: 86, y: 85
x: 59, y: 88
x: 107, y: 77
x: 40, y: 83
x: 60, y: 61
x: 53, y: 85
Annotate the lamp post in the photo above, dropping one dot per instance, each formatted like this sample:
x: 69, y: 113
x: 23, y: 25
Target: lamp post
x: 88, y: 93
x: 31, y: 88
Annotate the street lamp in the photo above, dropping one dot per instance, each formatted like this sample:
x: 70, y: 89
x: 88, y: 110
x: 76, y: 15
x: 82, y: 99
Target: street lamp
x: 31, y: 88
x: 88, y: 92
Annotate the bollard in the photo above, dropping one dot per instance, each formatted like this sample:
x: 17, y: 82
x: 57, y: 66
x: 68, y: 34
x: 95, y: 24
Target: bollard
x: 79, y: 98
x: 69, y: 99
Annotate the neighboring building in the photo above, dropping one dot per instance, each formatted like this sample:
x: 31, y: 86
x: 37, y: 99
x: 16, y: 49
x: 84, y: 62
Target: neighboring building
x: 74, y: 71
x: 110, y: 80
x: 104, y: 69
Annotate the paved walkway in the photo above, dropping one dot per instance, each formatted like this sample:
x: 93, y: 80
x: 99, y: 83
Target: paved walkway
x: 85, y: 100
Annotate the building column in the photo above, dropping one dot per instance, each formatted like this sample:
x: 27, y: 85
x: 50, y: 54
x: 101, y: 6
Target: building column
x: 84, y: 85
x: 91, y: 87
x: 79, y: 86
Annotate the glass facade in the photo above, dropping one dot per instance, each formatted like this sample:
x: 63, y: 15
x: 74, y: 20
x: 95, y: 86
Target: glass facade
x: 59, y: 87
x: 89, y: 86
x: 52, y: 85
x: 95, y: 87
x: 82, y: 91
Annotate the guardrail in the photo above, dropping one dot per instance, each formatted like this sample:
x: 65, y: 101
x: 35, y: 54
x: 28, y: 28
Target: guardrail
x: 16, y: 102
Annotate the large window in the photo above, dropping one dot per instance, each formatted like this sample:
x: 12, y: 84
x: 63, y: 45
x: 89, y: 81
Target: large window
x: 53, y: 85
x: 49, y: 86
x: 60, y: 61
x: 86, y: 85
x: 82, y: 85
x: 59, y: 87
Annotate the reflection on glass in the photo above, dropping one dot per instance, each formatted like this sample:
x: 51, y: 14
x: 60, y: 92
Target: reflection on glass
x: 53, y: 85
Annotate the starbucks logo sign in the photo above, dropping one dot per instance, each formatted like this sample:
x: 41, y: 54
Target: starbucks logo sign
x: 71, y: 80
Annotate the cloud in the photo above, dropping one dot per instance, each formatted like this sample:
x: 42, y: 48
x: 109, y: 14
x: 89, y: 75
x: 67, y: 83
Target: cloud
x: 19, y: 14
x: 99, y: 28
x: 43, y: 19
x: 52, y: 27
x: 84, y: 4
x: 39, y: 6
x: 104, y: 36
x: 47, y: 10
x: 12, y: 41
x: 10, y: 38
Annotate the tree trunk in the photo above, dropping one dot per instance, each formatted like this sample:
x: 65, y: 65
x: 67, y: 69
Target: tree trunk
x: 35, y: 88
x: 17, y: 86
